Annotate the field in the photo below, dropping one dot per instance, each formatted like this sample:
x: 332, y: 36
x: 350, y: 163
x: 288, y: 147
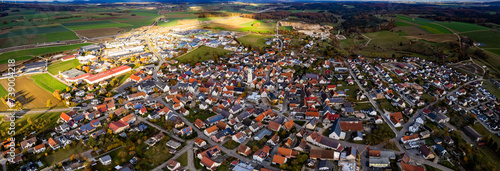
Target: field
x: 90, y: 33
x: 93, y: 25
x: 285, y: 27
x: 183, y: 159
x: 48, y: 82
x: 47, y: 121
x: 441, y: 38
x: 401, y: 23
x: 3, y: 91
x: 38, y: 51
x: 36, y: 35
x: 495, y: 51
x: 463, y: 27
x: 254, y: 39
x: 489, y: 38
x: 244, y: 25
x: 62, y: 154
x: 427, y: 25
x: 30, y: 94
x: 202, y: 53
x: 55, y: 67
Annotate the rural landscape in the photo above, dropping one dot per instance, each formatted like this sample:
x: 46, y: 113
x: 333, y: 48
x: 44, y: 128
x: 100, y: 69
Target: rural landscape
x: 246, y: 86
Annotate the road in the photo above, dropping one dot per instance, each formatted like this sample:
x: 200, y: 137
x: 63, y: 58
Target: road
x: 189, y: 149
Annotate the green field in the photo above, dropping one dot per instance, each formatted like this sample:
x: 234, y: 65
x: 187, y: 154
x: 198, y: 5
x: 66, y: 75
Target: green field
x: 3, y: 91
x: 63, y: 154
x: 254, y: 39
x: 170, y: 23
x: 22, y: 54
x: 208, y: 18
x: 463, y: 27
x: 94, y: 25
x: 48, y: 82
x: 425, y: 24
x: 37, y: 38
x: 264, y: 27
x: 183, y: 159
x: 62, y: 66
x: 35, y: 30
x: 202, y: 53
x: 400, y: 23
x: 285, y: 27
x: 489, y: 38
x: 495, y: 51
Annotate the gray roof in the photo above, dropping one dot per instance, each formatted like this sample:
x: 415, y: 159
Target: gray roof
x: 105, y: 158
x: 336, y: 127
x: 73, y: 73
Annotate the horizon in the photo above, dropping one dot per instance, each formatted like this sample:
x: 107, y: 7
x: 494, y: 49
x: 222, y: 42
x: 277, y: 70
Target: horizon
x: 246, y: 1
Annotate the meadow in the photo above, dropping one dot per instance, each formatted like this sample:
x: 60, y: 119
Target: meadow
x: 48, y: 82
x: 3, y: 91
x: 50, y: 120
x: 425, y: 24
x: 55, y: 67
x: 202, y: 53
x: 254, y: 39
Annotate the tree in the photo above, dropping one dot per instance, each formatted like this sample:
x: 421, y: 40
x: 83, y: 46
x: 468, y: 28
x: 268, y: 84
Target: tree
x: 68, y: 89
x: 49, y: 103
x: 109, y: 94
x: 57, y: 95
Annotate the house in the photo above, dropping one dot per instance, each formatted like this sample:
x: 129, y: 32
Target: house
x: 261, y: 134
x: 409, y: 138
x: 211, y: 130
x: 473, y: 134
x: 53, y: 144
x: 396, y: 119
x: 211, y: 152
x: 426, y: 152
x: 214, y: 119
x: 209, y: 163
x: 325, y: 165
x: 289, y: 124
x: 39, y: 148
x: 439, y: 149
x: 351, y: 125
x: 199, y: 124
x: 324, y: 154
x: 199, y: 142
x: 28, y: 143
x: 105, y: 160
x: 311, y: 124
x: 262, y: 153
x: 173, y: 144
x: 239, y: 137
x: 118, y: 126
x: 274, y: 140
x: 287, y: 153
x: 273, y: 126
x: 278, y: 159
x: 336, y: 131
x: 173, y: 165
x: 244, y: 150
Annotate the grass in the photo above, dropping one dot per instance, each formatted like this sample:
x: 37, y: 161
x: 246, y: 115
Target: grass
x: 17, y: 59
x: 463, y: 27
x: 48, y: 83
x: 158, y: 153
x: 62, y: 66
x: 231, y: 144
x: 183, y: 159
x: 489, y: 38
x: 37, y: 38
x: 202, y: 53
x: 62, y: 154
x: 39, y: 122
x: 254, y: 39
x: 122, y: 78
x: 484, y: 132
x: 3, y: 91
x: 492, y: 88
x: 301, y: 123
x: 21, y: 54
x: 93, y: 25
x: 201, y: 114
x: 285, y: 27
x: 400, y: 23
x: 363, y: 106
x: 425, y: 24
x: 495, y: 51
x: 35, y: 30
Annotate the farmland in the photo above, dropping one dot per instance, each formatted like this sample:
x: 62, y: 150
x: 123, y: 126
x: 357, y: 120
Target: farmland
x: 93, y: 25
x: 202, y: 53
x: 30, y: 94
x: 425, y: 24
x: 48, y: 83
x: 38, y: 51
x: 463, y: 27
x: 243, y: 25
x: 3, y: 91
x: 489, y: 38
x: 55, y: 67
x: 36, y: 35
x: 254, y: 40
x: 401, y: 23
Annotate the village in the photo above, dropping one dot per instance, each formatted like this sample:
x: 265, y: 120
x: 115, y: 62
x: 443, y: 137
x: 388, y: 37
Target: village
x: 268, y: 109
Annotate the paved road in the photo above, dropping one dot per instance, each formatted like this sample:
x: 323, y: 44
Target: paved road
x: 189, y: 149
x: 161, y: 129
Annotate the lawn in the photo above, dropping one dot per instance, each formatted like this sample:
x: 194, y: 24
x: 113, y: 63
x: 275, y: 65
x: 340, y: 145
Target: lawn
x: 94, y: 25
x: 285, y: 27
x: 463, y: 27
x: 202, y: 53
x: 201, y: 114
x: 3, y: 91
x: 22, y: 54
x: 489, y: 38
x: 48, y: 82
x: 62, y: 66
x: 39, y: 123
x: 158, y: 153
x: 231, y: 144
x: 62, y: 154
x: 254, y: 39
x: 122, y: 78
x: 363, y: 106
x: 183, y: 159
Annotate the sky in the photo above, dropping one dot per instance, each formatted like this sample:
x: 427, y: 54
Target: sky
x: 101, y: 1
